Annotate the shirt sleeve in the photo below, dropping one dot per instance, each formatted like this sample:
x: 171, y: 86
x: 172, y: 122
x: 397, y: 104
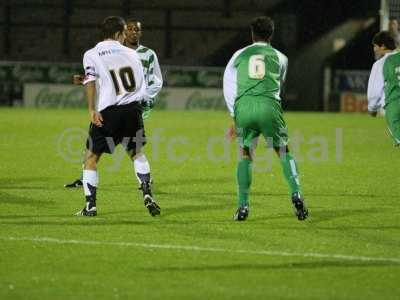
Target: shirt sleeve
x: 376, y: 85
x: 284, y: 67
x: 155, y: 80
x: 90, y: 69
x: 230, y: 85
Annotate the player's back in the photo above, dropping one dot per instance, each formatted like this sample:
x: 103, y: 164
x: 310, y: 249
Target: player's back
x: 118, y: 71
x: 391, y: 73
x: 261, y: 71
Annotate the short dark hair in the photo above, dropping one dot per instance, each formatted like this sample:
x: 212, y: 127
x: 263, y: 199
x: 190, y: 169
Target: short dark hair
x: 112, y: 25
x: 262, y: 27
x: 384, y: 38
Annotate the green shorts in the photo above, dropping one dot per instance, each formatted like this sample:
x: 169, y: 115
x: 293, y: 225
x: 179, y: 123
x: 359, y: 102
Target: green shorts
x: 392, y: 115
x: 260, y: 115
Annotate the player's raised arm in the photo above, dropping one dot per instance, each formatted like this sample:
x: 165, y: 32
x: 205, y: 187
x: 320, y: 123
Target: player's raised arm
x: 95, y: 117
x: 90, y: 89
x: 283, y: 62
x: 230, y: 85
x: 376, y: 87
x: 155, y: 81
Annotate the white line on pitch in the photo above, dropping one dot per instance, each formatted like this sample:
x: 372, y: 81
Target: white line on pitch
x: 205, y: 249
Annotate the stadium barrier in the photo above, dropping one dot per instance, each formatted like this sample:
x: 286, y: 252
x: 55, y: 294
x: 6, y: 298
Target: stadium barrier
x: 49, y: 85
x: 68, y: 95
x: 347, y: 91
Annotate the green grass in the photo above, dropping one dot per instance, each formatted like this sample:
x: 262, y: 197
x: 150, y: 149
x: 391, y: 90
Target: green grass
x: 125, y: 253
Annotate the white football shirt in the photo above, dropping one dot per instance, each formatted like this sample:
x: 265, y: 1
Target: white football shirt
x: 118, y: 73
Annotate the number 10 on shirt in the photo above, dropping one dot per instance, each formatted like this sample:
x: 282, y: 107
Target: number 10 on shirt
x: 126, y: 77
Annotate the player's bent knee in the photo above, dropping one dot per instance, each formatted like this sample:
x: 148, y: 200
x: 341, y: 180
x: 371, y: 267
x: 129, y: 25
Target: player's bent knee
x: 135, y: 155
x: 91, y: 160
x: 246, y: 153
x: 281, y: 151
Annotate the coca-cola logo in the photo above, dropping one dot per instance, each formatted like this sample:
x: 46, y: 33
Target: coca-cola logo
x: 73, y: 97
x: 197, y: 100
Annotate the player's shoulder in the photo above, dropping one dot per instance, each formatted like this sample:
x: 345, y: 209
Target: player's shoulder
x: 387, y: 57
x: 392, y: 57
x: 90, y: 52
x: 127, y: 49
x: 145, y: 50
x: 282, y: 57
x: 379, y: 63
x: 239, y: 52
x: 280, y: 53
x: 242, y: 50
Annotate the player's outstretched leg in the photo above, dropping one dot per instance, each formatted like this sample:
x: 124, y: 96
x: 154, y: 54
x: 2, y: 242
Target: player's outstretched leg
x: 142, y: 171
x: 292, y: 177
x: 76, y: 183
x: 244, y: 170
x: 90, y: 183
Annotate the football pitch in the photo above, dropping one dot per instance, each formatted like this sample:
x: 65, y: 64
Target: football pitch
x: 349, y: 248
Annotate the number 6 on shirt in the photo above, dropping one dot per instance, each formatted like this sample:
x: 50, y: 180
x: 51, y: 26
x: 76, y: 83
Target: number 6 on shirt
x: 257, y: 66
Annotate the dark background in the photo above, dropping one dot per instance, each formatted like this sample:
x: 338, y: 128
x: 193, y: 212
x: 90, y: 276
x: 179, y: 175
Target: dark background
x: 192, y: 33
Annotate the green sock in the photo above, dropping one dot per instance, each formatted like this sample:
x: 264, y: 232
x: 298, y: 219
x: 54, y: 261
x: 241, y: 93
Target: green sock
x: 244, y: 180
x: 290, y: 172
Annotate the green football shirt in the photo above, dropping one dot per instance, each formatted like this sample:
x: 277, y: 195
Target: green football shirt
x: 151, y: 69
x: 256, y: 70
x: 384, y: 91
x: 384, y: 81
x: 391, y: 73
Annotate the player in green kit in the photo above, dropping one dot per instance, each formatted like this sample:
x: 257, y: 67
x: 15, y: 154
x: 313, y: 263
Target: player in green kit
x: 384, y: 82
x: 252, y: 84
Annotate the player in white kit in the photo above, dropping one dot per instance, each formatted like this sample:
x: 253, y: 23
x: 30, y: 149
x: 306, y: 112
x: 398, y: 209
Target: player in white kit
x: 153, y: 80
x: 115, y: 75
